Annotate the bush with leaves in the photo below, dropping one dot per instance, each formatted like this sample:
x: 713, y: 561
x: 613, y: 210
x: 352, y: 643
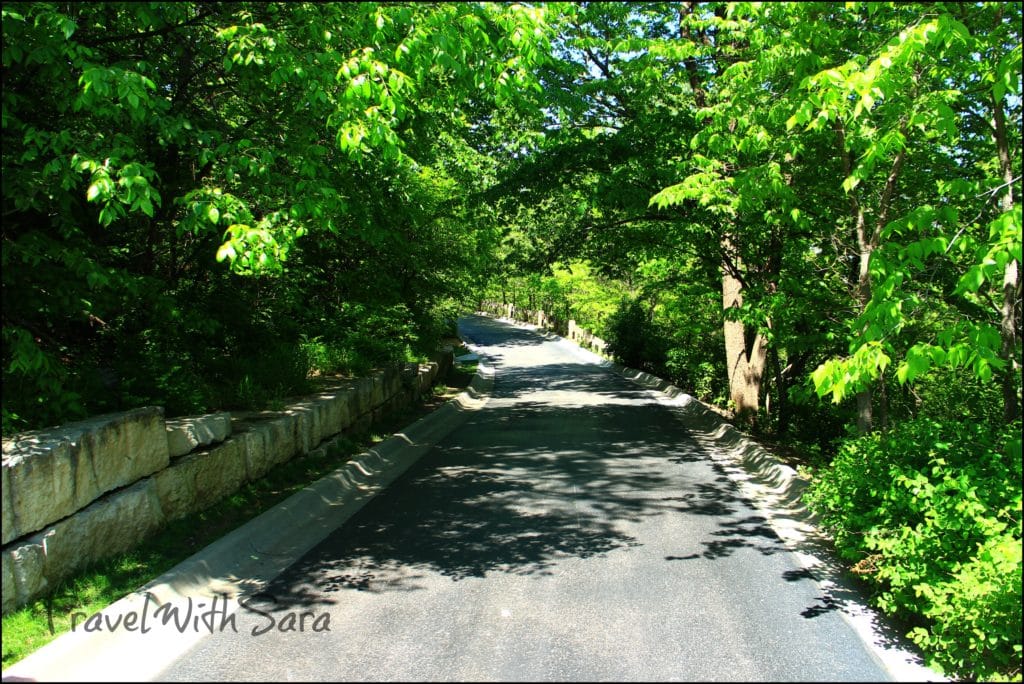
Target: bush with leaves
x: 931, y: 515
x: 633, y: 338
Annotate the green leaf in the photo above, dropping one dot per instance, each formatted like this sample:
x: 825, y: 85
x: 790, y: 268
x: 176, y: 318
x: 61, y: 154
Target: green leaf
x: 226, y: 251
x: 972, y: 280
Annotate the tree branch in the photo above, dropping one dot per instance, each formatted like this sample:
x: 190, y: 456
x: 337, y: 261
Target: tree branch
x: 94, y: 42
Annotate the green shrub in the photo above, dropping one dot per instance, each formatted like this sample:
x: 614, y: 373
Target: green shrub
x: 633, y: 339
x: 693, y: 373
x: 931, y: 515
x: 325, y: 357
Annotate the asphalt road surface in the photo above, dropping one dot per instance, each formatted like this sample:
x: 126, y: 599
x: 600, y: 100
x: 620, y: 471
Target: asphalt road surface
x: 570, y: 530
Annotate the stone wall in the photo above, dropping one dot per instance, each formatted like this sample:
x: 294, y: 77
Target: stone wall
x: 580, y: 336
x: 82, y: 492
x: 587, y: 339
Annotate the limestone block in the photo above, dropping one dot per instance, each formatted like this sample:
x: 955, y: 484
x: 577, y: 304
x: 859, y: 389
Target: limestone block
x: 309, y: 429
x: 186, y: 434
x: 405, y: 398
x: 330, y: 419
x: 378, y: 389
x: 423, y: 385
x: 6, y: 492
x: 258, y: 440
x: 335, y: 413
x: 361, y: 424
x: 23, y: 575
x: 409, y: 374
x: 326, y: 417
x: 111, y: 525
x: 364, y: 390
x: 176, y: 491
x: 303, y: 420
x: 352, y: 399
x: 285, y: 435
x: 316, y: 426
x: 8, y: 589
x: 203, y: 477
x: 277, y: 441
x: 322, y: 408
x: 49, y: 474
x: 218, y: 472
x: 443, y: 362
x: 392, y: 381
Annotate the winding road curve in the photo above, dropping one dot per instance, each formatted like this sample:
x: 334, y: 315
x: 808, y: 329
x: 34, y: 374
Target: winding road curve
x: 569, y: 530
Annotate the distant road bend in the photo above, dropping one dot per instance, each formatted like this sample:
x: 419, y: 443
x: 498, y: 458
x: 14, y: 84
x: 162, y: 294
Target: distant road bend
x: 569, y: 530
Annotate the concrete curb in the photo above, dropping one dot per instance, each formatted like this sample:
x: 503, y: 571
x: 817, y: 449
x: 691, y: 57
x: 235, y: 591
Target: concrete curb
x: 778, y: 488
x: 237, y: 565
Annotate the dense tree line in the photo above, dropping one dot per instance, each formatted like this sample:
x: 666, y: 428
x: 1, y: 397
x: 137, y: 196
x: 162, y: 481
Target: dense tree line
x: 203, y: 202
x: 808, y: 213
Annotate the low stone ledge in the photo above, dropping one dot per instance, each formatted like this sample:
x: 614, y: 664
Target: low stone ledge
x: 194, y: 481
x: 23, y: 575
x: 9, y: 593
x: 187, y: 434
x: 175, y: 491
x: 379, y: 395
x: 409, y: 375
x: 335, y: 407
x: 49, y: 474
x: 280, y: 430
x: 303, y: 420
x: 364, y: 395
x: 425, y: 377
x: 113, y: 524
x: 216, y: 472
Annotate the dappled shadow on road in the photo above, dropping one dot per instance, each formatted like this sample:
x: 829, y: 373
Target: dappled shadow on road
x: 739, y: 526
x: 562, y: 464
x: 751, y: 531
x: 486, y: 331
x: 839, y: 591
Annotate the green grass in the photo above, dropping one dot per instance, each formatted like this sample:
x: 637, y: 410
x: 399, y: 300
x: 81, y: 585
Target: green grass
x: 95, y: 588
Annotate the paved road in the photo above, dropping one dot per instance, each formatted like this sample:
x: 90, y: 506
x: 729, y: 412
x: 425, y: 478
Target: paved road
x: 570, y: 530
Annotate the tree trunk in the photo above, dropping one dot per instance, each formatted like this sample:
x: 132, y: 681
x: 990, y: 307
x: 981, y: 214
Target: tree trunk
x: 745, y: 358
x: 862, y: 288
x: 867, y: 242
x: 865, y: 417
x: 1011, y: 279
x: 781, y: 393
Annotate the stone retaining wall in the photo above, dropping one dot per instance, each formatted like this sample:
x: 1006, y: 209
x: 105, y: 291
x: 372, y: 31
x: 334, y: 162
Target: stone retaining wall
x: 580, y: 336
x: 82, y: 492
x: 587, y: 339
